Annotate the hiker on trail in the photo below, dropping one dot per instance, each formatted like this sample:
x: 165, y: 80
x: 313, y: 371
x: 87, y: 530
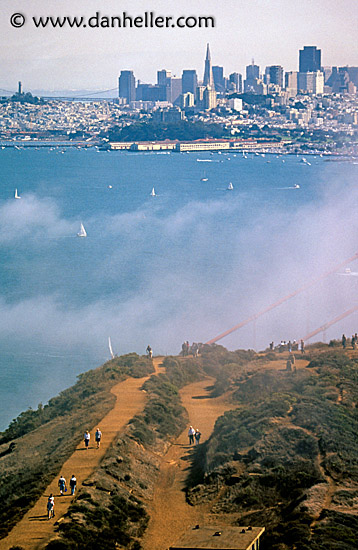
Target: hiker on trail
x: 73, y: 483
x: 344, y: 341
x: 87, y: 438
x: 197, y: 436
x: 191, y: 434
x: 288, y: 365
x: 289, y: 345
x: 353, y: 342
x: 98, y: 436
x: 62, y: 485
x: 302, y: 346
x: 51, y: 506
x: 149, y: 352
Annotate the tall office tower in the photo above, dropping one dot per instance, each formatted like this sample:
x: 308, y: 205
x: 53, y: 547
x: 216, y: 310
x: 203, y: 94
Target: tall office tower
x: 199, y: 98
x: 276, y: 75
x: 209, y: 98
x: 311, y: 82
x: 164, y: 77
x: 208, y: 73
x: 189, y: 81
x: 291, y: 82
x: 175, y: 90
x: 236, y: 80
x: 252, y: 71
x: 310, y: 59
x: 219, y: 80
x: 127, y: 86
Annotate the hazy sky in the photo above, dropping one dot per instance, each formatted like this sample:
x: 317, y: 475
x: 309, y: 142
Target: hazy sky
x: 270, y: 31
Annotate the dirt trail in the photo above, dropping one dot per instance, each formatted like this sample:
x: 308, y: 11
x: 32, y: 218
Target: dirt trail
x: 170, y: 514
x: 34, y: 530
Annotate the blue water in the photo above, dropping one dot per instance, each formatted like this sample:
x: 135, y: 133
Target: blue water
x: 187, y: 264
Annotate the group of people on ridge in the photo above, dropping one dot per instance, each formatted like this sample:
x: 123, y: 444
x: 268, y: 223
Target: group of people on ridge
x: 63, y: 489
x: 73, y: 481
x: 194, y: 436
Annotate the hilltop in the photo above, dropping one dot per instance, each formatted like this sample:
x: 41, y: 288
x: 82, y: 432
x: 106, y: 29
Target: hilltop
x: 282, y: 453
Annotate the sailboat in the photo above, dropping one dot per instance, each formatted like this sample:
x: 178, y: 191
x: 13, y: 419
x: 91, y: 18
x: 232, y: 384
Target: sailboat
x: 82, y: 232
x: 230, y: 186
x: 110, y: 347
x: 152, y: 194
x: 16, y: 195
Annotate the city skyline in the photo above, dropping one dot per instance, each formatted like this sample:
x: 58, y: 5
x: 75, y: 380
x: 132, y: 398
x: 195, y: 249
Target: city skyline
x: 93, y: 58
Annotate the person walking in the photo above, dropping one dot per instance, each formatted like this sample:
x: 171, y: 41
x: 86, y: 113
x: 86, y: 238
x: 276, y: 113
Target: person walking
x: 302, y: 346
x: 191, y: 434
x: 73, y: 483
x: 149, y: 352
x: 197, y: 436
x: 62, y: 485
x: 87, y: 438
x: 51, y: 506
x: 98, y: 436
x: 344, y: 341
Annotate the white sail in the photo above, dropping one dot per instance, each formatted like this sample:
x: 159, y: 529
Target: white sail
x: 153, y: 192
x: 82, y: 232
x: 110, y: 347
x: 230, y: 186
x: 17, y: 196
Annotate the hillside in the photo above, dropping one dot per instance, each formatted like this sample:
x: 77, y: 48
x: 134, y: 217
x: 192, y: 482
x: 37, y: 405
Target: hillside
x: 286, y: 456
x: 283, y: 455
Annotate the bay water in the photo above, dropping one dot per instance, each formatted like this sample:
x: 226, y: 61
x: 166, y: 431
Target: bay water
x: 185, y: 264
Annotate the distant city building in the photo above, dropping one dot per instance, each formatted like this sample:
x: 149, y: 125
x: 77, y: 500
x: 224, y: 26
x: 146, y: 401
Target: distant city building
x: 200, y: 97
x: 235, y: 104
x: 210, y: 101
x: 219, y: 81
x: 150, y: 92
x: 164, y: 77
x: 168, y: 115
x: 126, y: 88
x: 187, y: 100
x: 276, y: 75
x: 208, y: 79
x: 309, y: 59
x: 311, y: 82
x: 291, y: 82
x: 252, y: 71
x: 189, y: 81
x: 236, y: 80
x: 175, y: 89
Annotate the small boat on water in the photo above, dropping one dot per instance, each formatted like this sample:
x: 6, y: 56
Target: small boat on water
x: 230, y: 186
x: 82, y: 231
x: 204, y: 178
x: 152, y: 193
x: 296, y: 186
x: 110, y: 347
x: 17, y: 196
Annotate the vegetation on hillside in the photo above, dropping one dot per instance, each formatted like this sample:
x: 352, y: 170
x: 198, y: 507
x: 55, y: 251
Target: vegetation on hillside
x: 158, y: 131
x: 108, y: 511
x: 55, y: 430
x: 289, y: 446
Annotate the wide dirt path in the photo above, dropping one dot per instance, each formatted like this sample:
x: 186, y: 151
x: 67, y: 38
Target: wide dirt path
x: 170, y: 514
x: 34, y: 530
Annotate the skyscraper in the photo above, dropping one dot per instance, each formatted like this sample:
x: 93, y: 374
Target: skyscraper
x: 236, y: 80
x: 218, y: 76
x: 252, y: 71
x: 208, y: 73
x: 126, y: 83
x: 189, y: 81
x: 310, y: 59
x: 276, y: 75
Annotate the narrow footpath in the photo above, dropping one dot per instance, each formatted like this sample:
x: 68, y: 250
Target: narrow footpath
x: 35, y: 530
x: 170, y: 514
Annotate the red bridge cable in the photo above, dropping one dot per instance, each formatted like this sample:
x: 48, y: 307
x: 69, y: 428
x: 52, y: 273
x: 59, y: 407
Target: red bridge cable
x: 282, y: 300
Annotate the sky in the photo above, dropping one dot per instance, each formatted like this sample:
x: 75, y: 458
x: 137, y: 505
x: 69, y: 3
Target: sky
x: 269, y: 31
